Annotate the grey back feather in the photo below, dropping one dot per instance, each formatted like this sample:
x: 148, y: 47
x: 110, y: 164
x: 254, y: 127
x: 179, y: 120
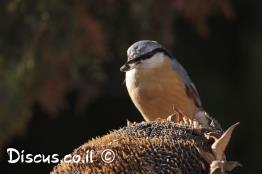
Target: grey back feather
x: 190, y: 86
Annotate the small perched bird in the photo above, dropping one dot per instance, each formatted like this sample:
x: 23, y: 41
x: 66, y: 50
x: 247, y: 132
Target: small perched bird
x: 178, y: 144
x: 158, y: 84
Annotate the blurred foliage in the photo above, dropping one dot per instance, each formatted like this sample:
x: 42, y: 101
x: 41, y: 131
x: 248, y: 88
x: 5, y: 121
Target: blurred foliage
x: 51, y: 47
x: 47, y: 48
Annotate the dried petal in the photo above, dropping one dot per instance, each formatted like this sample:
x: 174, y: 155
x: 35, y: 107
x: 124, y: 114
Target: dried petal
x: 220, y: 144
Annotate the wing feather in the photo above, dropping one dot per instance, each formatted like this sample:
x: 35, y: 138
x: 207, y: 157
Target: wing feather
x: 189, y: 85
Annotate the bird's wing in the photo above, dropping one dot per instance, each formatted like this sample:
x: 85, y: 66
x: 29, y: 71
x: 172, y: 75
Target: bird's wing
x: 189, y: 85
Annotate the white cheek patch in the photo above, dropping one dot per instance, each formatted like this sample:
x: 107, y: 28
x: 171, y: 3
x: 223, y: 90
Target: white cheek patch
x: 152, y: 62
x: 131, y: 79
x: 131, y: 73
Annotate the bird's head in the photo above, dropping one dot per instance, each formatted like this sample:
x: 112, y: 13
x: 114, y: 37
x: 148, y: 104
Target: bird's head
x: 145, y: 54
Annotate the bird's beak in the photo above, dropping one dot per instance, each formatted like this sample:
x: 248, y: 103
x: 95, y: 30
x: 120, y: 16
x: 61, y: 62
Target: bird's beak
x: 126, y: 67
x: 131, y: 64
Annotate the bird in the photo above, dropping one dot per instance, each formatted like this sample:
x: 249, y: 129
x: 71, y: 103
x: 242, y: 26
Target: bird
x: 158, y: 84
x: 177, y: 143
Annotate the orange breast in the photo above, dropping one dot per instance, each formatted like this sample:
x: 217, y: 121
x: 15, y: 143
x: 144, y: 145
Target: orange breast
x: 157, y: 92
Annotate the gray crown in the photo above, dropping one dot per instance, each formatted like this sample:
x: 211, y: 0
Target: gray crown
x: 141, y: 48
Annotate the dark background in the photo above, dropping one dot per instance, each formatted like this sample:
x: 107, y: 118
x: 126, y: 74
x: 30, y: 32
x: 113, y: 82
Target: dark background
x: 60, y: 83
